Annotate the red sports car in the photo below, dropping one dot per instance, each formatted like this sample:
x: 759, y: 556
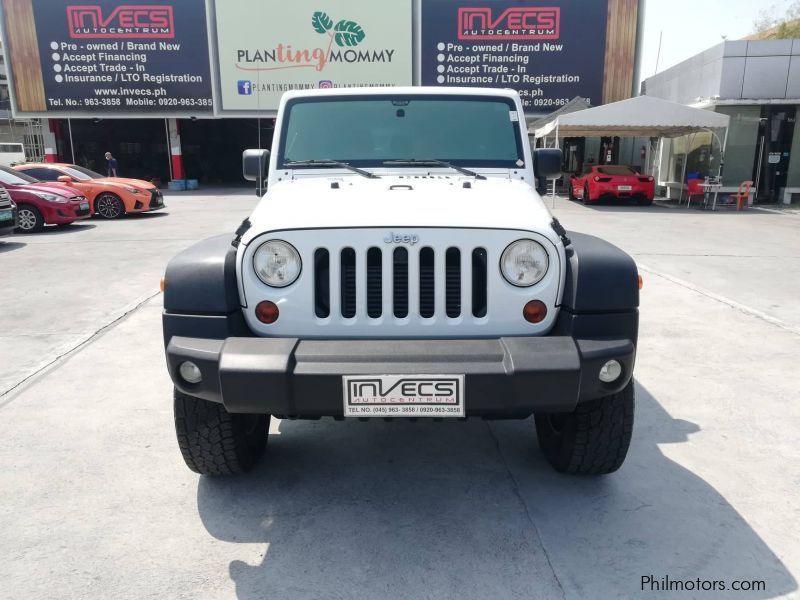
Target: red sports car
x: 612, y: 181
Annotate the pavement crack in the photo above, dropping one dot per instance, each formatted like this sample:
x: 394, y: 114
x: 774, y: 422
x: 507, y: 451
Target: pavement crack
x: 8, y: 396
x: 518, y: 494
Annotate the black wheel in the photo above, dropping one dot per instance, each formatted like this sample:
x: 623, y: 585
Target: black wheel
x: 593, y: 440
x: 109, y: 206
x: 571, y: 192
x: 586, y: 198
x: 29, y: 218
x: 645, y: 202
x: 216, y: 442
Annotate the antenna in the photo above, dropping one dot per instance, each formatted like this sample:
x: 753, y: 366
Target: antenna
x: 658, y: 56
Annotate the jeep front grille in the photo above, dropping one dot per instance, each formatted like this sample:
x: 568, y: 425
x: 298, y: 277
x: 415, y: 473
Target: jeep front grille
x: 362, y: 278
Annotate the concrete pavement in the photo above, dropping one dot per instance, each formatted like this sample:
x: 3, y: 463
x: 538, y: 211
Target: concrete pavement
x: 97, y: 503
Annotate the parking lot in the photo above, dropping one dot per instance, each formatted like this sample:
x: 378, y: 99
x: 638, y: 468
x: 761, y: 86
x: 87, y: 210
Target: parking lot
x: 97, y: 503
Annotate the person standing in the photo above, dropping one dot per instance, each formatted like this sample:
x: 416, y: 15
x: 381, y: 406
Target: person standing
x: 112, y: 166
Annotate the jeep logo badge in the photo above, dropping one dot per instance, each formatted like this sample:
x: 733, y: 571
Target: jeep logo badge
x: 396, y: 238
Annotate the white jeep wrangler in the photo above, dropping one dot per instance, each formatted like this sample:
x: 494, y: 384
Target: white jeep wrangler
x: 402, y: 264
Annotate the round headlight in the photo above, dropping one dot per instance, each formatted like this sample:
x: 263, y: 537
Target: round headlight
x: 524, y: 263
x: 277, y: 263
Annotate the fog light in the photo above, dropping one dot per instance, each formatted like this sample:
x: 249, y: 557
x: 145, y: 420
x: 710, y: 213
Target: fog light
x: 190, y: 372
x: 267, y: 312
x: 535, y: 311
x: 610, y: 371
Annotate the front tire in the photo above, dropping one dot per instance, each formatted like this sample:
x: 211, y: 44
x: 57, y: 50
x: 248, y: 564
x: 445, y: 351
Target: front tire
x: 30, y: 219
x: 586, y: 199
x: 214, y: 441
x: 594, y: 439
x: 109, y: 206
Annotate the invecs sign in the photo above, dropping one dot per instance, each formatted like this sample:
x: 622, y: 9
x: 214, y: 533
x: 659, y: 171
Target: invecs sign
x: 126, y: 21
x: 517, y: 23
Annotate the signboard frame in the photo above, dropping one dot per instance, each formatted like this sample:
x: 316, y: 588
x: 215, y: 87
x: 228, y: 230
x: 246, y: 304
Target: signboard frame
x: 271, y: 111
x: 144, y: 113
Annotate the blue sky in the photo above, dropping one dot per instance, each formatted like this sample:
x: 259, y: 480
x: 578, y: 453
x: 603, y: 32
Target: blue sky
x: 691, y: 26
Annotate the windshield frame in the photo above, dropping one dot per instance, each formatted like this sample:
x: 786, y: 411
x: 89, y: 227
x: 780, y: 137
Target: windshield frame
x: 86, y: 172
x: 378, y: 163
x: 26, y: 179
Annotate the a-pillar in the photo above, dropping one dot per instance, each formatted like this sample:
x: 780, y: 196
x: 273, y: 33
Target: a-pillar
x: 176, y: 156
x: 50, y: 135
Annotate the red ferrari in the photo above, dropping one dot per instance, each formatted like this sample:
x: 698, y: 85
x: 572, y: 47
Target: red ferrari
x: 600, y: 182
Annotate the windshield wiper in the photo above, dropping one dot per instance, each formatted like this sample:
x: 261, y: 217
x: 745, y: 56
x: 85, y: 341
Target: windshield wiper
x: 330, y: 163
x: 433, y: 162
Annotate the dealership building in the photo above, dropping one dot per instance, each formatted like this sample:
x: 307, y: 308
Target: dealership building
x: 178, y: 88
x: 756, y: 83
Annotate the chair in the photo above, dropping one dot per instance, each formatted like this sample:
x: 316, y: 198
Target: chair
x: 743, y: 195
x: 694, y: 188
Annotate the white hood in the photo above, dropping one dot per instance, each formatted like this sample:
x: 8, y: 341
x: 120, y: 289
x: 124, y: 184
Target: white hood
x: 433, y: 201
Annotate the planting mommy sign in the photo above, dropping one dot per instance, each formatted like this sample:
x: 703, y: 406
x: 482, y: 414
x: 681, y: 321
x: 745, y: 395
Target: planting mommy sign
x: 264, y: 52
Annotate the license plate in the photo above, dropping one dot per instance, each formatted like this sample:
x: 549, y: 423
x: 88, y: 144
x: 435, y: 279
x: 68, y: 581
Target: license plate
x: 625, y: 188
x: 403, y: 395
x: 6, y: 215
x: 84, y: 206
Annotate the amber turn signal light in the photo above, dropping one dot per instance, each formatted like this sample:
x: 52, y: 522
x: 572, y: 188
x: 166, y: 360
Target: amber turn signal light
x: 641, y: 282
x: 163, y: 284
x: 267, y: 312
x: 535, y: 311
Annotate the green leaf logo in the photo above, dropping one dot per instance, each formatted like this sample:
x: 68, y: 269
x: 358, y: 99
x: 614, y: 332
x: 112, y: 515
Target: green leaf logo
x: 349, y: 33
x: 321, y: 22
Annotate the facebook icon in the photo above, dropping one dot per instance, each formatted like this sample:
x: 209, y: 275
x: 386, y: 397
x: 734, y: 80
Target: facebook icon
x: 245, y: 88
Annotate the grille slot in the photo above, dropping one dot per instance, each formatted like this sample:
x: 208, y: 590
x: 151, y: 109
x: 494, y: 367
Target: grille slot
x: 452, y: 283
x: 400, y: 282
x: 479, y: 282
x: 348, y: 283
x: 427, y: 283
x: 374, y: 283
x: 322, y: 284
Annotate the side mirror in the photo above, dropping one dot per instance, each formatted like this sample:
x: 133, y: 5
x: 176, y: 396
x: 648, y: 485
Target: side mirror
x: 65, y: 179
x: 255, y: 165
x: 547, y: 163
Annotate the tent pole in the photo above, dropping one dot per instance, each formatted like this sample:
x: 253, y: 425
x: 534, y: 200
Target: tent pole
x: 722, y: 154
x: 685, y: 164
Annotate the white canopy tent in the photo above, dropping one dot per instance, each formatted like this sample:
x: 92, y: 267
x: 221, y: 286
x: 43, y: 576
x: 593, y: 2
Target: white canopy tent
x: 643, y: 116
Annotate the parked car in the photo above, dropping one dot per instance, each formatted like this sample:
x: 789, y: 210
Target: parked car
x: 387, y: 281
x: 110, y: 197
x: 612, y: 181
x: 40, y: 204
x: 8, y: 213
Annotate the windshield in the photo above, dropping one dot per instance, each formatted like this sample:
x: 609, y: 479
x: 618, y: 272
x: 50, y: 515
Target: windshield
x: 367, y: 131
x: 12, y: 177
x: 616, y: 170
x: 82, y: 173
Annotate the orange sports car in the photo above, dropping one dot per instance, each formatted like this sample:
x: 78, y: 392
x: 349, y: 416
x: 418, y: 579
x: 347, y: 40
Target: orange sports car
x: 110, y: 197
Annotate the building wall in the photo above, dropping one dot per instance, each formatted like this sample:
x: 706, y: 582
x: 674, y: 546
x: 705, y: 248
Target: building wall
x: 735, y: 70
x: 742, y: 140
x: 793, y: 179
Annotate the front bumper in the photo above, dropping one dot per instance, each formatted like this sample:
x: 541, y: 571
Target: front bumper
x: 507, y: 377
x: 7, y: 226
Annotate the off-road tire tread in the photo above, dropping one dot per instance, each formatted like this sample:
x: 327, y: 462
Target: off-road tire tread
x: 599, y: 436
x: 214, y: 441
